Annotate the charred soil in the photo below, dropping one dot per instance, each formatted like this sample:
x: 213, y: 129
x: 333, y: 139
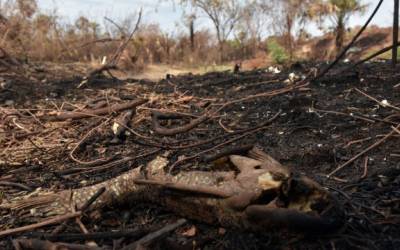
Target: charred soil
x: 321, y: 126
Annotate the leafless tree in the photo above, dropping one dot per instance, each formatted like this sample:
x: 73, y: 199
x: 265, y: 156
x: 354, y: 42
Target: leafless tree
x: 289, y: 14
x: 224, y: 14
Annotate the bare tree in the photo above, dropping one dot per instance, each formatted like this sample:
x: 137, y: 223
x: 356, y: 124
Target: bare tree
x: 291, y: 13
x: 189, y: 22
x: 224, y: 14
x: 339, y: 12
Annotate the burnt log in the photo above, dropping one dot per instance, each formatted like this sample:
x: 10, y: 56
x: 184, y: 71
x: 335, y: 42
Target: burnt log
x: 259, y: 194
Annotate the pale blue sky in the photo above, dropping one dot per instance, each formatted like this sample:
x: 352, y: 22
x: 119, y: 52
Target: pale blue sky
x: 165, y: 13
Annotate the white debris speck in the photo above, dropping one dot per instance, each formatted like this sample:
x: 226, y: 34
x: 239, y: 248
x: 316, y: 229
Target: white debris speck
x: 104, y: 60
x: 274, y: 70
x: 292, y: 77
x: 385, y: 103
x: 115, y: 127
x: 319, y: 145
x: 347, y: 60
x: 281, y: 133
x: 33, y: 211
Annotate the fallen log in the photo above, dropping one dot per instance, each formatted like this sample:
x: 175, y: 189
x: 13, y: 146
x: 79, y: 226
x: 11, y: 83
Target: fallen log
x: 97, y: 112
x: 259, y: 194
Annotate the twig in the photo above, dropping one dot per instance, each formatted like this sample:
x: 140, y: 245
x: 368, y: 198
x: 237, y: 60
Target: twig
x: 47, y: 245
x: 396, y: 129
x: 92, y: 199
x: 94, y: 162
x: 378, y: 53
x: 365, y: 168
x: 148, y: 239
x: 330, y: 66
x: 385, y: 105
x: 44, y: 223
x: 257, y: 129
x: 18, y: 185
x: 357, y: 141
x: 98, y: 112
x: 85, y: 206
x: 132, y: 234
x: 123, y: 33
x: 363, y: 152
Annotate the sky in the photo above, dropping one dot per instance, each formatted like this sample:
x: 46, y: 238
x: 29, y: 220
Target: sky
x: 168, y: 15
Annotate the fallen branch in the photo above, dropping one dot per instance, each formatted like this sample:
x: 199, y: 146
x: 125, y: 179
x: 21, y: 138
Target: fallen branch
x: 157, y: 235
x: 376, y: 144
x: 98, y: 112
x: 18, y: 185
x: 47, y: 245
x: 380, y: 103
x: 343, y: 52
x: 173, y: 131
x: 132, y: 234
x: 47, y: 222
x: 112, y: 64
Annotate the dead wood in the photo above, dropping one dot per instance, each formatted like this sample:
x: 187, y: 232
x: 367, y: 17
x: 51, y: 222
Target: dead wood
x: 69, y: 237
x: 152, y: 237
x: 47, y: 222
x: 259, y: 194
x: 17, y: 185
x: 36, y: 244
x: 112, y: 64
x: 121, y: 124
x: 156, y: 116
x: 352, y: 42
x: 97, y: 112
x: 376, y: 144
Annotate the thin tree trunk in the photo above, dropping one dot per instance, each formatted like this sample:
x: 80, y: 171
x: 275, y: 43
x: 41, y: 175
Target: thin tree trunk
x: 289, y: 24
x: 191, y: 27
x: 340, y: 33
x: 395, y: 32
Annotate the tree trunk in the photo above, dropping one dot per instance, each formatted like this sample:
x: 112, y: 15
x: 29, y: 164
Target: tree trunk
x: 289, y: 38
x: 340, y: 34
x: 395, y: 31
x: 191, y: 28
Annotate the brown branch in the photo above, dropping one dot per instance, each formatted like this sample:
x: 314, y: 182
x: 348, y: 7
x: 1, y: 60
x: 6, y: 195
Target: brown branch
x: 44, y: 223
x: 98, y: 112
x: 47, y: 245
x: 130, y: 233
x: 376, y: 144
x: 384, y: 105
x: 173, y: 131
x: 157, y: 235
x: 18, y: 185
x: 330, y: 66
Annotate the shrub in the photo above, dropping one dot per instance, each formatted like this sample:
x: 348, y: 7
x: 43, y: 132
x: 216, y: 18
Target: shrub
x: 277, y: 52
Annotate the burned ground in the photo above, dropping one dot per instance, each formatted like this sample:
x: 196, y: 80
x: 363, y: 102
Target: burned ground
x: 320, y: 127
